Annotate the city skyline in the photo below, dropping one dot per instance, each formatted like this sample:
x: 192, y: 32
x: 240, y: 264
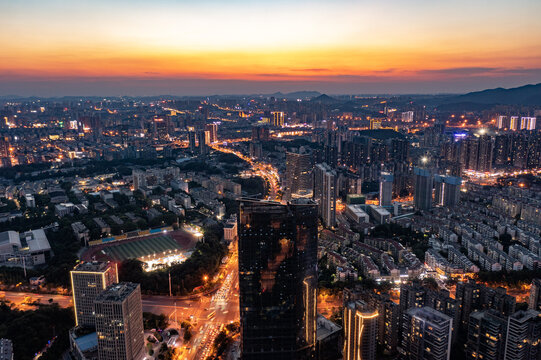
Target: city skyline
x: 181, y: 48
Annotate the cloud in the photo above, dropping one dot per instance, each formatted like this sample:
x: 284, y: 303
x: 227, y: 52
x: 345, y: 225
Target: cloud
x: 480, y: 71
x: 312, y: 70
x: 468, y: 70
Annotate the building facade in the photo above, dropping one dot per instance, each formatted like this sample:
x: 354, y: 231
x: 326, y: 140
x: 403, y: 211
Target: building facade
x: 277, y: 279
x: 119, y: 322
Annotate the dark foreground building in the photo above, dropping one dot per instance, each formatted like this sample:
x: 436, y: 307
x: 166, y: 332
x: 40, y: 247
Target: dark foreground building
x: 278, y: 279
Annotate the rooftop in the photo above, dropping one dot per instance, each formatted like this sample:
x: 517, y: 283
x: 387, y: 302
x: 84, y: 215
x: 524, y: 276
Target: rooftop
x: 92, y: 266
x: 117, y: 292
x: 87, y: 342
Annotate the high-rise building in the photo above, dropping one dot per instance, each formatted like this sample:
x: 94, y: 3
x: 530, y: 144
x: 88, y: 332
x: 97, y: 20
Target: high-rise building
x: 88, y: 279
x: 278, y: 118
x: 486, y: 335
x: 502, y: 149
x: 360, y: 331
x: 203, y: 137
x: 527, y: 123
x: 523, y: 336
x: 473, y: 296
x: 4, y: 148
x: 388, y: 318
x: 119, y: 322
x: 6, y: 349
x: 191, y: 141
x: 139, y: 179
x: 325, y: 193
x: 407, y: 116
x: 375, y: 124
x: 213, y: 132
x: 426, y: 334
x: 485, y: 153
x: 513, y: 123
x: 424, y: 182
x: 298, y: 176
x: 260, y: 133
x: 534, y: 301
x: 277, y: 279
x: 447, y: 191
x: 502, y: 122
x: 386, y: 189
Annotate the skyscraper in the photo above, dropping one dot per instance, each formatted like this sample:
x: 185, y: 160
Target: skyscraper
x: 325, y: 193
x: 485, y: 153
x: 298, y: 176
x: 386, y: 189
x: 88, y: 279
x: 424, y: 182
x: 534, y: 301
x: 426, y: 334
x: 203, y: 137
x: 360, y: 331
x: 277, y: 279
x: 486, y: 335
x: 119, y: 322
x: 213, y: 132
x: 523, y: 336
x: 191, y: 141
x: 447, y: 190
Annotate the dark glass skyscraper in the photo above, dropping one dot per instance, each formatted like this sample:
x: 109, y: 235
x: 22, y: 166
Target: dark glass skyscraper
x: 277, y: 279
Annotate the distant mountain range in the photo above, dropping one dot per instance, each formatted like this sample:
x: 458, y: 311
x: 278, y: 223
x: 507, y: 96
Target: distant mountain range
x: 528, y: 95
x: 296, y: 95
x: 325, y: 99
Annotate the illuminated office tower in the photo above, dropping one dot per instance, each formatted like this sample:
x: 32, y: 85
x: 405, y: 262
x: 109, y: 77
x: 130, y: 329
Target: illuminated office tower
x: 386, y: 189
x: 277, y: 279
x: 486, y: 335
x: 298, y: 176
x: 426, y: 334
x: 119, y: 322
x: 325, y: 193
x: 278, y: 118
x: 447, y: 191
x: 534, y: 301
x: 213, y: 132
x: 88, y: 279
x: 360, y: 331
x: 523, y: 336
x: 424, y: 182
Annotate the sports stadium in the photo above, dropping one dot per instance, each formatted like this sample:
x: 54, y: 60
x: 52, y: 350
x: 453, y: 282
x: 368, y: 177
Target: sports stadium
x: 156, y: 248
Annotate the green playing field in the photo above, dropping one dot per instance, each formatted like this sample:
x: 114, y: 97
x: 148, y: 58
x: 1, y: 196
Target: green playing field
x: 142, y: 247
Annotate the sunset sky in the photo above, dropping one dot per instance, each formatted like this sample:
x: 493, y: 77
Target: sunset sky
x: 121, y: 47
